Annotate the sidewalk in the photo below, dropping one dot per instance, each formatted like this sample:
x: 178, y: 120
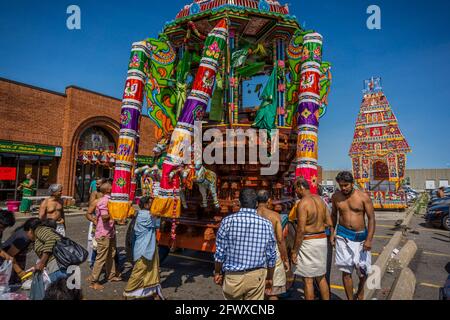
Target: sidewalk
x: 67, y: 212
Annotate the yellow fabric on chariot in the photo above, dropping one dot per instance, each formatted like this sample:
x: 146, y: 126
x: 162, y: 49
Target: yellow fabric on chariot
x: 164, y: 207
x: 120, y: 210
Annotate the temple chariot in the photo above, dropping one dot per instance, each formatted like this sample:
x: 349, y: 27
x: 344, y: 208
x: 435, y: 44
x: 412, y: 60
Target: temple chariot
x: 379, y: 149
x: 208, y: 65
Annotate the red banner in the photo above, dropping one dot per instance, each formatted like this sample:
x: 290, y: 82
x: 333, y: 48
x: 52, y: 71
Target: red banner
x: 8, y: 173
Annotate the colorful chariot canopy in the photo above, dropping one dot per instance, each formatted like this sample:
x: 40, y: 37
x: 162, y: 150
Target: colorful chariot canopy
x: 378, y: 150
x: 377, y: 131
x: 202, y: 6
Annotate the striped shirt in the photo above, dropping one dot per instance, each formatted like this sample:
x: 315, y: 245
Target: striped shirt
x: 46, y: 238
x: 245, y: 241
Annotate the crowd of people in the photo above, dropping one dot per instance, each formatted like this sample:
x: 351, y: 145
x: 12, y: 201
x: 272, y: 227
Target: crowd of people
x: 42, y: 233
x: 252, y: 261
x: 251, y: 257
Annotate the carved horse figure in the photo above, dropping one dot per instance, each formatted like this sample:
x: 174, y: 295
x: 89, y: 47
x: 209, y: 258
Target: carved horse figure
x: 151, y: 176
x: 204, y: 178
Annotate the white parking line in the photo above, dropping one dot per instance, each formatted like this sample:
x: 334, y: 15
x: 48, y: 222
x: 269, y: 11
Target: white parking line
x: 436, y: 254
x: 430, y: 285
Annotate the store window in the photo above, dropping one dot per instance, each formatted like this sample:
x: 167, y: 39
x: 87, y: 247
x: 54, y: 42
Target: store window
x: 28, y: 165
x: 47, y: 173
x: 14, y: 168
x: 8, y: 176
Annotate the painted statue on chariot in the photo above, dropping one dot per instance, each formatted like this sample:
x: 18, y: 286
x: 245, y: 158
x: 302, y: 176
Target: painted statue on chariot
x: 199, y: 69
x: 379, y: 149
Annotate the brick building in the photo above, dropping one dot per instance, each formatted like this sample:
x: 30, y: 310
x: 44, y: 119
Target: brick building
x: 62, y: 138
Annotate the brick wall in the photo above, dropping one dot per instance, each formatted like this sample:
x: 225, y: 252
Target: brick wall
x: 22, y: 111
x: 38, y: 116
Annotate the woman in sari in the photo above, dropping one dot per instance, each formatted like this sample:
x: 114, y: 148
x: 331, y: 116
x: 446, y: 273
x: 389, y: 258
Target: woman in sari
x: 27, y: 187
x: 144, y: 281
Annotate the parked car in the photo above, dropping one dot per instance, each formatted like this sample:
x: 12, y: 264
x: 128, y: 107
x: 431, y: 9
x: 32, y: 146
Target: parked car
x: 437, y: 201
x: 411, y: 197
x: 328, y: 190
x: 446, y: 191
x: 438, y: 215
x: 410, y: 190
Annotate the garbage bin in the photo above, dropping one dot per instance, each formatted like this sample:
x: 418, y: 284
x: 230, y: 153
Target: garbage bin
x: 13, y: 206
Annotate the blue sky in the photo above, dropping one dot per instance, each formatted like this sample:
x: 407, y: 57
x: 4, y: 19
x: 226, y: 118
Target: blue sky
x: 411, y: 53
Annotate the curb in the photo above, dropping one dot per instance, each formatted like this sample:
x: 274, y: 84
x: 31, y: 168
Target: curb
x: 383, y: 260
x: 406, y: 253
x: 405, y: 286
x: 407, y: 221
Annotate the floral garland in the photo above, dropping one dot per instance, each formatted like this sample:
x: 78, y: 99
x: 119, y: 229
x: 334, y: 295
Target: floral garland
x: 173, y: 234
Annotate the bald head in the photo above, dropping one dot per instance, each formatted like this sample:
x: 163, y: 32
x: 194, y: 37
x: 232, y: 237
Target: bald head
x: 55, y: 190
x: 262, y: 196
x: 106, y: 188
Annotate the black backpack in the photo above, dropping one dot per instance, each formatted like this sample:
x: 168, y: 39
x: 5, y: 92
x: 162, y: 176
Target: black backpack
x: 69, y: 253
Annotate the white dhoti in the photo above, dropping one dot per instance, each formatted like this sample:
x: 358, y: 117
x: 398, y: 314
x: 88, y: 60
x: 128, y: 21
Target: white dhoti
x: 312, y: 258
x: 351, y: 255
x: 279, y: 277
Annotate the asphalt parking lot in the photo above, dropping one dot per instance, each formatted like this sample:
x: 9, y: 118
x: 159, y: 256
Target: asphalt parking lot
x: 432, y: 260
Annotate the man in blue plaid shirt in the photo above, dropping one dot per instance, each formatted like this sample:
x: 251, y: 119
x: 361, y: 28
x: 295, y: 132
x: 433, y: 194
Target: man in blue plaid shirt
x: 245, y: 252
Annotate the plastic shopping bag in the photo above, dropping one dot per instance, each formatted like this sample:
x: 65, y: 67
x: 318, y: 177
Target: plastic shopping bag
x: 12, y: 296
x: 5, y: 275
x: 39, y: 284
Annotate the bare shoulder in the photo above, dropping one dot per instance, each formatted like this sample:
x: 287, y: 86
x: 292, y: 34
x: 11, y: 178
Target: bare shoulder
x: 306, y: 202
x: 319, y: 199
x: 93, y: 203
x: 362, y: 195
x: 270, y: 215
x: 274, y: 216
x: 337, y: 195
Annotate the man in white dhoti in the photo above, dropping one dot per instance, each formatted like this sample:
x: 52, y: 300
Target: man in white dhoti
x: 309, y: 254
x: 353, y: 239
x: 282, y: 264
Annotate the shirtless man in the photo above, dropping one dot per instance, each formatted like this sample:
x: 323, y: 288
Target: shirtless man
x: 282, y: 264
x: 353, y: 239
x: 52, y: 208
x: 309, y: 254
